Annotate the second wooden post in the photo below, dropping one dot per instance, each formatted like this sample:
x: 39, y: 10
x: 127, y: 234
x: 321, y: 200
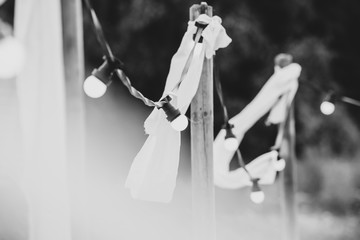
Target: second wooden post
x: 203, y: 194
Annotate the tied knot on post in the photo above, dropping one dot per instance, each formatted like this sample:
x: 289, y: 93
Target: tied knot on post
x: 213, y: 36
x: 288, y: 84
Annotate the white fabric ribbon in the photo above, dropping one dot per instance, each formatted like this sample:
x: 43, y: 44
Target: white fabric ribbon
x: 276, y: 95
x: 262, y: 167
x: 279, y: 110
x: 153, y: 173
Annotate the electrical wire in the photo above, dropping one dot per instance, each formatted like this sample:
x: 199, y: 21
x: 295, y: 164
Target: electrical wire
x: 120, y: 72
x: 125, y: 80
x: 220, y: 92
x: 100, y: 33
x: 242, y: 164
x: 342, y: 98
x: 226, y: 117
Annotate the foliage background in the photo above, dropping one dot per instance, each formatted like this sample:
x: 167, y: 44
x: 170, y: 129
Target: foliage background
x: 321, y: 35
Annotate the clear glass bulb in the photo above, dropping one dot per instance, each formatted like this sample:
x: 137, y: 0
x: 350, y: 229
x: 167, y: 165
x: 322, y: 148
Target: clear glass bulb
x: 257, y: 197
x: 180, y: 123
x: 327, y: 108
x: 93, y: 87
x: 280, y: 165
x: 12, y: 57
x: 231, y: 144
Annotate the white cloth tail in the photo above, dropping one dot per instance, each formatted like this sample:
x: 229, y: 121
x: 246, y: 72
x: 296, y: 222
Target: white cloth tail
x: 152, y: 176
x: 262, y: 167
x: 278, y: 112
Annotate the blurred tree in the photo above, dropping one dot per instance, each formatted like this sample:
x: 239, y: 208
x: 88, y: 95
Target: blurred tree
x: 320, y: 34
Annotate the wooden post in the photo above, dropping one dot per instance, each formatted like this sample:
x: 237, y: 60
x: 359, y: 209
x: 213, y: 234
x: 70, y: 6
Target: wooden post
x: 288, y: 180
x: 287, y: 151
x: 74, y: 74
x: 202, y: 136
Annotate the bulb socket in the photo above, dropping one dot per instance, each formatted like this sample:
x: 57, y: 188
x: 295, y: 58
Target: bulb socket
x: 283, y: 59
x: 229, y: 133
x: 170, y: 111
x: 255, y: 187
x: 105, y: 72
x: 330, y: 97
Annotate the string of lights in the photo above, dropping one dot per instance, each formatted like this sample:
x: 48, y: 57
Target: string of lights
x: 231, y: 143
x: 328, y: 104
x: 96, y: 84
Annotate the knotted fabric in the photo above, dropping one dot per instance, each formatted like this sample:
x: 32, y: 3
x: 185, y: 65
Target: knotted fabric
x: 154, y: 170
x: 277, y: 93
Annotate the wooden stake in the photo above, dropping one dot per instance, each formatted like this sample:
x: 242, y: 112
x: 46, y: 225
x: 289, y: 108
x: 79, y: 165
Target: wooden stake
x: 74, y: 74
x: 287, y: 150
x: 202, y: 136
x: 288, y: 180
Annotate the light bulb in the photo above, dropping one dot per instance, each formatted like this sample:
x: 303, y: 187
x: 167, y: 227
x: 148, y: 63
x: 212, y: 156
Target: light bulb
x: 280, y: 165
x: 177, y: 120
x: 12, y: 57
x: 180, y: 123
x: 231, y: 143
x: 327, y: 108
x: 2, y: 1
x: 257, y: 197
x: 93, y: 87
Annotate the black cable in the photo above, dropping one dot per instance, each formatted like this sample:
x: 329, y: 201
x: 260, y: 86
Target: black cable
x: 220, y: 92
x: 242, y: 164
x: 100, y: 33
x: 226, y: 116
x: 120, y: 72
x: 342, y: 98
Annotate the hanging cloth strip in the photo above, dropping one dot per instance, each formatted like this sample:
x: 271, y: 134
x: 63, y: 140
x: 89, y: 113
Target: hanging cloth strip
x: 275, y: 96
x: 41, y: 95
x: 152, y: 176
